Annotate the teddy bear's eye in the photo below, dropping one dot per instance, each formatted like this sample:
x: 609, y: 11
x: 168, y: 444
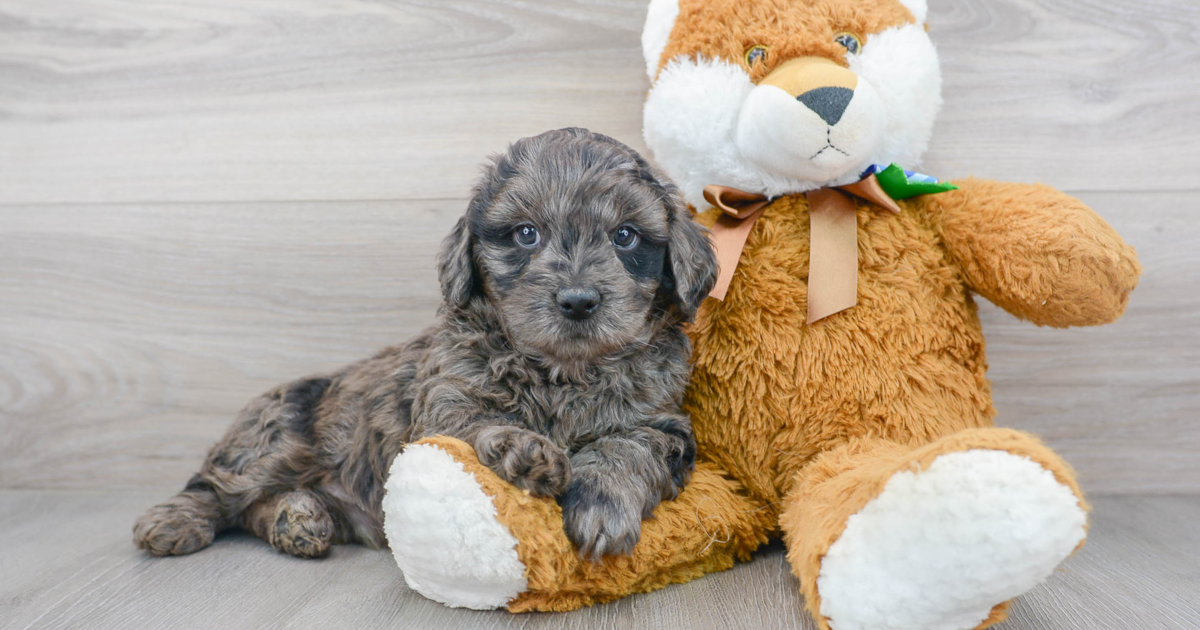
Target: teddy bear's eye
x: 850, y: 41
x: 756, y: 54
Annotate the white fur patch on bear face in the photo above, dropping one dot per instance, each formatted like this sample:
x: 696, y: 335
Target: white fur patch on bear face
x: 919, y: 9
x: 707, y: 123
x: 660, y: 20
x: 901, y: 64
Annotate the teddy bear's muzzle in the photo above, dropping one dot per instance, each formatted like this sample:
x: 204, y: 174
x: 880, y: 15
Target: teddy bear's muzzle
x: 810, y: 119
x: 815, y: 79
x: 818, y: 84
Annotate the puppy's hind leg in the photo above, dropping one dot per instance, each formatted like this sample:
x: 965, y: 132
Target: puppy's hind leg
x: 185, y: 523
x: 268, y: 452
x: 296, y: 523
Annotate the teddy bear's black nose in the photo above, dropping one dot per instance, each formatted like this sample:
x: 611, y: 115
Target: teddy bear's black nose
x: 578, y: 303
x: 828, y: 102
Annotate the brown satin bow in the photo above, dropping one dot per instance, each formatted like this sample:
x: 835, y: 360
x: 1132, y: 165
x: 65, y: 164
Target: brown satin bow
x: 833, y: 239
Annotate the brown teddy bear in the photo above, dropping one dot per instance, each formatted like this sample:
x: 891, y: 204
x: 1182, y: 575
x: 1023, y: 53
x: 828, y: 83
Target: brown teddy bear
x: 839, y: 396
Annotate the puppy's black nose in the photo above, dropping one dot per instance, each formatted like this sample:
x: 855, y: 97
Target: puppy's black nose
x: 828, y: 102
x: 578, y: 303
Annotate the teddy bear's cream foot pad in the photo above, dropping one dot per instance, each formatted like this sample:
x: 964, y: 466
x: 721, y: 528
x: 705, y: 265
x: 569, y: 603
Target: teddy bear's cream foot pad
x: 937, y: 549
x: 442, y: 529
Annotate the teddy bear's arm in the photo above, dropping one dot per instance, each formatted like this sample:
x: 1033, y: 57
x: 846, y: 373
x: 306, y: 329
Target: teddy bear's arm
x: 1036, y: 252
x: 455, y: 555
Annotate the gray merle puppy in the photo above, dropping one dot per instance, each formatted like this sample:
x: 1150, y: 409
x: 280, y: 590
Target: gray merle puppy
x: 559, y: 355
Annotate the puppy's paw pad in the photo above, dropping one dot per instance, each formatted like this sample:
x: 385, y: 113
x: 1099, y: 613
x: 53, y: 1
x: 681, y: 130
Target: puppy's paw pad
x: 525, y: 459
x: 549, y: 469
x: 303, y: 527
x: 599, y: 524
x: 170, y: 530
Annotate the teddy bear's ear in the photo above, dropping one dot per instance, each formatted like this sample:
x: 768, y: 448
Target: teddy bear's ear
x: 919, y: 9
x: 660, y: 20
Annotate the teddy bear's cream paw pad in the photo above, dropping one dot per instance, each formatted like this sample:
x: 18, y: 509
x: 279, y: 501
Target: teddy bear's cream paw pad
x: 937, y: 549
x: 443, y: 531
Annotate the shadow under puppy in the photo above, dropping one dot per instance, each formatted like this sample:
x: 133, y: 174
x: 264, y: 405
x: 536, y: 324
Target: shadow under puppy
x: 559, y: 355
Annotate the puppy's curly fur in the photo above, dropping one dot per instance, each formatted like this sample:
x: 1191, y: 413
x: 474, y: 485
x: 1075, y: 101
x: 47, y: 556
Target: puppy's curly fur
x: 559, y: 355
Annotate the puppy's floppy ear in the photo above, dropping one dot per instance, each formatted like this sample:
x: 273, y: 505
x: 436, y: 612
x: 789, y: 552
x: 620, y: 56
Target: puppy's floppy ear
x: 456, y: 266
x: 692, y: 261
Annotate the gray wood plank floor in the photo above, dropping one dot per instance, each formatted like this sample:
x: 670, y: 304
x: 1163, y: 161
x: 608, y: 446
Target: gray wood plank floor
x: 68, y: 563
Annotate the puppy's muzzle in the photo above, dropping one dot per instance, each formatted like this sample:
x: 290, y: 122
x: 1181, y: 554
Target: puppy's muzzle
x: 578, y: 303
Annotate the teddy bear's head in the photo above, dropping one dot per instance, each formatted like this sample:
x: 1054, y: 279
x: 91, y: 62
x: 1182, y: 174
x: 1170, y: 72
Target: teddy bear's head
x: 785, y: 96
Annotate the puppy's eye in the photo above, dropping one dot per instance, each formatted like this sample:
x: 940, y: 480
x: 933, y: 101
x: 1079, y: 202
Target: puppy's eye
x: 850, y: 41
x: 526, y: 236
x: 756, y: 54
x: 625, y: 237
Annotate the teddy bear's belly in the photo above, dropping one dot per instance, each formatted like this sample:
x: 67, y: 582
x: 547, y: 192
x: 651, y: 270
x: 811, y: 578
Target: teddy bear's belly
x: 770, y: 392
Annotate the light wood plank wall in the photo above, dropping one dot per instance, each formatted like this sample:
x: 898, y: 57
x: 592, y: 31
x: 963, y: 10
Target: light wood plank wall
x: 199, y: 199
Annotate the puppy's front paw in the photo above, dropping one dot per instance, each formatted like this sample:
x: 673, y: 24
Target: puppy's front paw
x: 600, y: 523
x: 525, y: 459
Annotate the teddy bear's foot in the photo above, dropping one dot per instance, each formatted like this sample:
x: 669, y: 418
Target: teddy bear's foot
x: 939, y: 548
x: 444, y: 532
x: 952, y: 537
x: 465, y: 537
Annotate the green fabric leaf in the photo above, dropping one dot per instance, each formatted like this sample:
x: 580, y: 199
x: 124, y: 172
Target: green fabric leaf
x: 897, y: 185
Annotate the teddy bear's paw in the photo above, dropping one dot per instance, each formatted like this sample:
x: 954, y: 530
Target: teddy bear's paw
x: 939, y: 548
x: 443, y: 531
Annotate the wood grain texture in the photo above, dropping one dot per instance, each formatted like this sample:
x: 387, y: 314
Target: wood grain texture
x: 1120, y: 402
x: 297, y: 99
x: 76, y: 568
x: 237, y: 100
x: 1078, y: 94
x: 131, y: 335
